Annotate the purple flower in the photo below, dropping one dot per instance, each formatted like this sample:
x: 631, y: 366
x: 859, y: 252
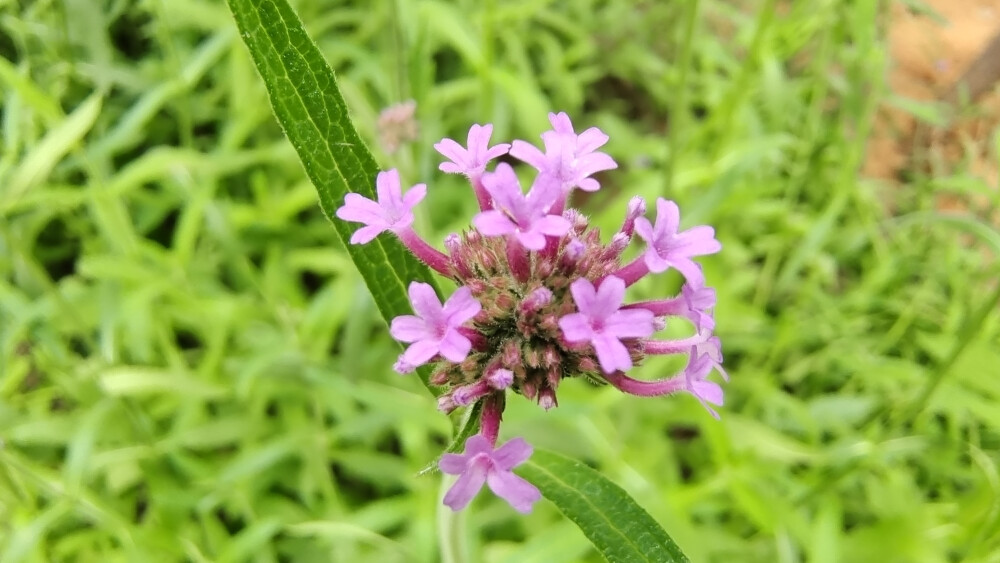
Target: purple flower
x: 481, y: 463
x: 568, y: 158
x: 434, y: 329
x: 602, y: 322
x: 698, y: 300
x: 392, y: 212
x: 669, y: 248
x: 697, y: 369
x: 524, y: 216
x: 471, y: 161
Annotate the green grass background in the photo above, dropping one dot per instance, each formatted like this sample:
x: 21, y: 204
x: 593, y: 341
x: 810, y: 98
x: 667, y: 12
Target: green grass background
x: 191, y: 369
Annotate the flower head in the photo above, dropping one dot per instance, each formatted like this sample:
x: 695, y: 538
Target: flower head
x: 434, y: 329
x: 569, y: 158
x: 392, y: 212
x: 524, y: 216
x: 603, y: 323
x: 669, y: 248
x: 470, y: 161
x: 480, y: 463
x: 541, y: 295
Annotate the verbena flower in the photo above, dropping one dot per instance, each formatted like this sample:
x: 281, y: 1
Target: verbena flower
x: 541, y: 298
x: 480, y: 463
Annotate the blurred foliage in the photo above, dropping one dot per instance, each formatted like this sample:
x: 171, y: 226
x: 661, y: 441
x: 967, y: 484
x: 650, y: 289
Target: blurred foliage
x: 191, y: 369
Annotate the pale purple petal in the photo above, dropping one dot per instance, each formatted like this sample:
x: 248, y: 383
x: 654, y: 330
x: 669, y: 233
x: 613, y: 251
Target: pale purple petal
x: 420, y: 352
x: 414, y: 196
x: 461, y: 306
x: 408, y: 328
x: 576, y: 327
x: 493, y: 223
x: 609, y: 298
x: 477, y: 444
x: 468, y: 484
x: 584, y: 295
x: 591, y: 140
x: 452, y: 464
x: 531, y: 240
x: 561, y: 123
x: 552, y: 225
x: 425, y: 301
x: 529, y: 154
x: 513, y: 453
x: 472, y: 159
x: 668, y: 216
x: 519, y: 493
x: 630, y: 323
x: 366, y: 234
x: 611, y: 353
x: 708, y: 391
x: 454, y: 346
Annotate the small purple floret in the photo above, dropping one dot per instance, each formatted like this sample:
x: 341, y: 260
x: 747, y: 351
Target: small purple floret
x: 526, y: 217
x: 392, y: 212
x: 434, y: 329
x: 603, y: 323
x: 471, y: 160
x: 480, y: 463
x: 669, y: 248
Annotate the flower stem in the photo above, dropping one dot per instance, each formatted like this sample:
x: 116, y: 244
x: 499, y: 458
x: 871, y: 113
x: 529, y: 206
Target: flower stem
x: 633, y: 271
x: 425, y: 252
x: 645, y: 388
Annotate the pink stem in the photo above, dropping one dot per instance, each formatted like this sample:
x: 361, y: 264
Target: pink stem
x: 425, y: 252
x: 683, y: 345
x: 482, y: 196
x: 646, y: 388
x: 489, y: 423
x: 634, y: 271
x: 662, y: 307
x: 517, y: 257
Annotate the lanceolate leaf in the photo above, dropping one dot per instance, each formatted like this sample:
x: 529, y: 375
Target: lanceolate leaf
x: 621, y: 530
x: 310, y: 108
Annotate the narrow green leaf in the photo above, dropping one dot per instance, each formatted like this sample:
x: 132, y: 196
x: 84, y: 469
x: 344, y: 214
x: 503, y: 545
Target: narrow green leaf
x: 620, y: 529
x: 313, y: 114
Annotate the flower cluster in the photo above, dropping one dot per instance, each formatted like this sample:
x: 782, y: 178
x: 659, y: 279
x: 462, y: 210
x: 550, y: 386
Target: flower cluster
x: 541, y: 298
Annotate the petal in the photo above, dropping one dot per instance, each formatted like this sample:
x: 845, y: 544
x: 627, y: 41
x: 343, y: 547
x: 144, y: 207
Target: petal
x: 367, y: 234
x: 515, y: 452
x: 461, y: 306
x: 609, y: 297
x: 629, y: 323
x: 414, y: 196
x: 583, y: 295
x: 493, y: 223
x: 388, y: 189
x: 576, y: 327
x: 691, y: 270
x: 425, y: 302
x: 420, y: 352
x: 668, y: 217
x: 707, y: 391
x: 360, y: 209
x: 532, y: 240
x: 452, y: 464
x: 452, y: 151
x: 561, y: 123
x: 467, y: 485
x: 513, y: 489
x: 529, y: 154
x: 590, y: 140
x: 654, y: 261
x: 479, y: 137
x: 477, y: 444
x: 408, y: 328
x: 611, y: 353
x: 454, y: 346
x: 593, y: 163
x: 644, y: 229
x: 552, y: 225
x: 496, y: 151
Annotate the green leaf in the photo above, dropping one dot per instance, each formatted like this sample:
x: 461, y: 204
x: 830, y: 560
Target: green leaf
x: 311, y: 110
x: 618, y: 527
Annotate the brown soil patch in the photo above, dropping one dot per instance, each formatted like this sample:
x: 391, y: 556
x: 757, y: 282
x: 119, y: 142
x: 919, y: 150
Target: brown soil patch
x: 928, y: 55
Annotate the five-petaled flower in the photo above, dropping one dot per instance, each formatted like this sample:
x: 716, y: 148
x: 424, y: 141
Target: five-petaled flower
x: 541, y: 298
x: 435, y: 328
x: 480, y: 463
x: 526, y: 217
x: 603, y: 323
x: 392, y: 212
